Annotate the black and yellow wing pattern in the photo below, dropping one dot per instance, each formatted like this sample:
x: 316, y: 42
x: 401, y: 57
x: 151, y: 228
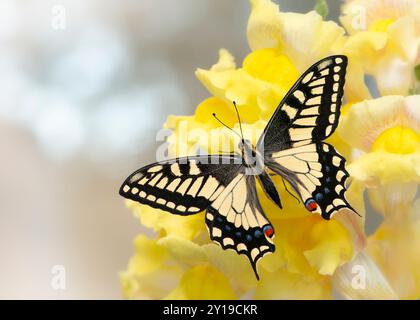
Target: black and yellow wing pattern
x: 237, y: 221
x: 317, y: 173
x: 310, y: 110
x: 217, y: 184
x: 293, y: 144
x: 181, y: 186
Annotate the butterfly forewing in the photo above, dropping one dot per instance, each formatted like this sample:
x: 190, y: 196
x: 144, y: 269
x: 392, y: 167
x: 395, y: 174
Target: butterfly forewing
x: 310, y: 110
x: 181, y: 186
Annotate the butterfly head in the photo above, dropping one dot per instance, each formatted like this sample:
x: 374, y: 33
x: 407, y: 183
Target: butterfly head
x: 245, y: 145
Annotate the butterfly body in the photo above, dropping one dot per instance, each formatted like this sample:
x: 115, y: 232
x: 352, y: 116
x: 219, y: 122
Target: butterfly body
x: 253, y: 160
x: 225, y: 185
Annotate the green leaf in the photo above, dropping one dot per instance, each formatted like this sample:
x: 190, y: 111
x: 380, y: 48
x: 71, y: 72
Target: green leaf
x: 417, y: 72
x: 322, y: 8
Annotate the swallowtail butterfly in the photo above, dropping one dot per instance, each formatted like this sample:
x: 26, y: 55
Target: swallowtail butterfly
x: 291, y: 146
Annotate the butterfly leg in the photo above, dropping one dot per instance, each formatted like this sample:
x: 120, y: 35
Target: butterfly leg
x: 285, y: 187
x: 287, y: 190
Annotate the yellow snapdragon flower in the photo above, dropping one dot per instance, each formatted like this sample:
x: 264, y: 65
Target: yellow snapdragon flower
x: 385, y: 134
x: 385, y: 39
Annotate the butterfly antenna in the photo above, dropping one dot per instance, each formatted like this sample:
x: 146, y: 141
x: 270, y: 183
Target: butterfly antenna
x: 239, y: 119
x: 285, y: 186
x: 225, y: 125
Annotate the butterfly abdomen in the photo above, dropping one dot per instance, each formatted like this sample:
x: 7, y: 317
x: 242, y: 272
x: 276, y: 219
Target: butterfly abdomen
x: 269, y: 188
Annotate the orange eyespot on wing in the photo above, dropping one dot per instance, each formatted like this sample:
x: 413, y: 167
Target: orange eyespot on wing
x: 311, y: 205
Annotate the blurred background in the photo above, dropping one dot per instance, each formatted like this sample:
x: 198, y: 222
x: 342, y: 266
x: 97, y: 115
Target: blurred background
x: 85, y: 85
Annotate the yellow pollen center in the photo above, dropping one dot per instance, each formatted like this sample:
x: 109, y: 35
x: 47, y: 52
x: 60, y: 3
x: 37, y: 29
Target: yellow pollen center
x: 398, y: 140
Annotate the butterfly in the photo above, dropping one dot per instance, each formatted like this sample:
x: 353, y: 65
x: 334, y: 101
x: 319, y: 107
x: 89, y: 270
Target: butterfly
x: 291, y: 146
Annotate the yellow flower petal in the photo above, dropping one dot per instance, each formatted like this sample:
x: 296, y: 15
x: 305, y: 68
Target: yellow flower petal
x: 264, y: 26
x: 339, y: 144
x: 366, y: 120
x: 155, y: 285
x: 394, y: 76
x: 393, y: 199
x: 364, y: 47
x: 381, y: 25
x: 383, y: 167
x: 277, y: 70
x: 271, y: 66
x: 224, y: 111
x: 235, y: 267
x: 305, y: 244
x: 286, y: 285
x: 355, y: 223
x: 289, y: 32
x: 182, y: 250
x: 360, y: 15
x: 226, y: 61
x: 185, y: 227
x: 306, y: 45
x: 149, y: 256
x: 148, y: 275
x: 202, y: 283
x: 397, y: 140
x: 355, y: 88
x: 333, y: 246
x: 273, y: 262
x: 394, y: 68
x: 233, y: 85
x: 362, y: 279
x: 398, y: 240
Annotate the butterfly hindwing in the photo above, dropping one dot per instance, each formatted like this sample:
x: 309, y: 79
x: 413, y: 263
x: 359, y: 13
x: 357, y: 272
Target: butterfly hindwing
x: 310, y: 110
x: 181, y: 186
x: 317, y: 173
x: 235, y: 220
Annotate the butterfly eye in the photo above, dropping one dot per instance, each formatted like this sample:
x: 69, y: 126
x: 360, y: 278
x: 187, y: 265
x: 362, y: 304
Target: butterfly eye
x: 311, y: 205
